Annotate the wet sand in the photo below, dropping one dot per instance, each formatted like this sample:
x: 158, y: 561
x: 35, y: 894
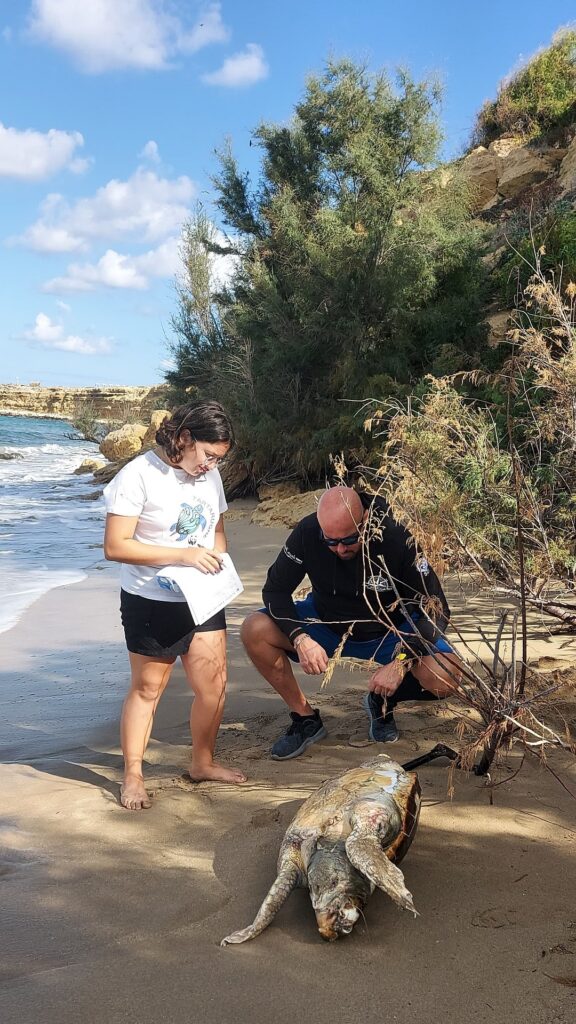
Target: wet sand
x: 113, y: 917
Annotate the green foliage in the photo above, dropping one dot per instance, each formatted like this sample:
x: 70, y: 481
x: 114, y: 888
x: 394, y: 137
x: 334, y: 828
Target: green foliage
x: 355, y: 259
x: 493, y: 482
x: 539, y: 97
x: 554, y: 240
x: 87, y: 424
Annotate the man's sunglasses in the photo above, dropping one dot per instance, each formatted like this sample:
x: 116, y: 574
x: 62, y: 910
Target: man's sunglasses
x: 333, y: 542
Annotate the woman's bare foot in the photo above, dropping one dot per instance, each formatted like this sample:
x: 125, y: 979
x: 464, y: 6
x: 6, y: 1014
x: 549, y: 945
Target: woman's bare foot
x: 215, y: 773
x: 133, y: 795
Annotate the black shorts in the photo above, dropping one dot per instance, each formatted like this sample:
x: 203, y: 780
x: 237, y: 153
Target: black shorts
x: 161, y: 629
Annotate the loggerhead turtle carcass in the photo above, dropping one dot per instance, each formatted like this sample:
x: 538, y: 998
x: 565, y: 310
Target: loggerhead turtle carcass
x: 345, y: 841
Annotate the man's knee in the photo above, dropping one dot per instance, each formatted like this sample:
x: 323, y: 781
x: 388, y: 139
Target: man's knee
x: 441, y: 674
x: 254, y: 630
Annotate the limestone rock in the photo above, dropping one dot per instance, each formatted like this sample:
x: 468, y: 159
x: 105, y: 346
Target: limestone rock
x: 286, y: 511
x: 89, y: 466
x: 123, y: 443
x: 498, y: 326
x: 113, y: 403
x: 108, y: 472
x: 91, y: 496
x: 522, y: 168
x: 567, y: 173
x: 236, y: 479
x: 273, y: 492
x: 501, y: 148
x: 478, y: 169
x: 156, y: 420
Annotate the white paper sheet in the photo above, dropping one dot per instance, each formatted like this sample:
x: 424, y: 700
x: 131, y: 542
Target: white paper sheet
x: 205, y: 593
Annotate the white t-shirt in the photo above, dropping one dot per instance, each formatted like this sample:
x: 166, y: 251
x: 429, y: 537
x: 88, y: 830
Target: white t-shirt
x: 173, y: 509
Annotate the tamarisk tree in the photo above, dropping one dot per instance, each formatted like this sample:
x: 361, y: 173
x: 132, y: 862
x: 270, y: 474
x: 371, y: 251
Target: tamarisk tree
x: 489, y: 487
x: 493, y: 482
x: 356, y: 270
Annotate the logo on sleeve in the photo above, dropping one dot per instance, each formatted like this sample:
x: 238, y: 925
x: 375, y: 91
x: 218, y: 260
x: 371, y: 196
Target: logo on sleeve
x: 422, y: 566
x: 292, y: 557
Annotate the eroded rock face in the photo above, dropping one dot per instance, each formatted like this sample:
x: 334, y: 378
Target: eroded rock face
x: 508, y: 167
x: 522, y: 168
x: 287, y: 511
x: 479, y: 170
x: 89, y: 466
x: 108, y: 472
x: 156, y: 420
x: 498, y: 326
x: 273, y: 492
x: 65, y: 403
x: 123, y: 443
x: 235, y: 479
x: 567, y: 173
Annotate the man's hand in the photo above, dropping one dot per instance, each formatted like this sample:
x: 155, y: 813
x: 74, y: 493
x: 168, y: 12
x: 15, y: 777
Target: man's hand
x: 312, y: 657
x: 207, y: 560
x: 387, y: 679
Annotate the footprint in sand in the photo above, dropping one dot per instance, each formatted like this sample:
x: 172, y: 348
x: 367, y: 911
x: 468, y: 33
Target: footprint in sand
x: 267, y: 816
x: 12, y: 861
x: 495, y: 917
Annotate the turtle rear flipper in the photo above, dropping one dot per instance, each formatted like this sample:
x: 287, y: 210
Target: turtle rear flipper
x: 374, y: 828
x: 287, y: 880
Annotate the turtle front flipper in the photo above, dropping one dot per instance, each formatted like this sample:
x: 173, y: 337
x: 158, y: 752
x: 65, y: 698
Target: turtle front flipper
x: 287, y: 880
x: 375, y: 827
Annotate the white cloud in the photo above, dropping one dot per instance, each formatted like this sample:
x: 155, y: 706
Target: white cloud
x: 50, y: 334
x: 31, y: 155
x: 241, y: 69
x: 150, y: 152
x: 208, y: 29
x: 45, y: 330
x: 123, y: 271
x: 113, y: 34
x: 145, y: 206
x: 115, y: 270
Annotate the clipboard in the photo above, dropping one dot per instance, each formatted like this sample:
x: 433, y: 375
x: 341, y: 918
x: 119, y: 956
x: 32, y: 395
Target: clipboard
x: 205, y: 593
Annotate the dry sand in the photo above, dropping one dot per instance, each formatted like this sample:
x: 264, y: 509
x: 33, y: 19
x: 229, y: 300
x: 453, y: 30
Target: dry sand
x: 115, y: 917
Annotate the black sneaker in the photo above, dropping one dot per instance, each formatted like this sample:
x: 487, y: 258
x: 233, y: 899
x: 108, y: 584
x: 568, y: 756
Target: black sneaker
x: 305, y: 730
x: 382, y: 730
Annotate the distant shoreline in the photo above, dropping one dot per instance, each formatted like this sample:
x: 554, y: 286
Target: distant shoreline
x: 34, y: 415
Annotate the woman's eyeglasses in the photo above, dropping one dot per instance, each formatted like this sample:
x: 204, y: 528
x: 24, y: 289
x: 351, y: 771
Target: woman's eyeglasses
x: 333, y: 542
x: 207, y: 459
x: 213, y: 460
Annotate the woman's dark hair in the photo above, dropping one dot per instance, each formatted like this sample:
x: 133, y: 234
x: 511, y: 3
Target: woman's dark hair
x: 206, y: 421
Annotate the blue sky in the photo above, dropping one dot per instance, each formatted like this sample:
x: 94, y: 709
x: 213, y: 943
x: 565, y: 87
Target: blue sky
x: 110, y: 114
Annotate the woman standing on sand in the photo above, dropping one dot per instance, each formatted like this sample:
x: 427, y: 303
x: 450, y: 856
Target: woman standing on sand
x: 165, y: 508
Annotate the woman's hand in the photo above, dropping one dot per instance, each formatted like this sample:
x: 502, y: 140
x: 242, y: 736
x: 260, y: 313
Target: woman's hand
x: 206, y: 560
x: 312, y: 657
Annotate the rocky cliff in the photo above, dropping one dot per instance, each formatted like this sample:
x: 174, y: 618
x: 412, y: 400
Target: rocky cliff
x: 114, y: 403
x: 509, y: 168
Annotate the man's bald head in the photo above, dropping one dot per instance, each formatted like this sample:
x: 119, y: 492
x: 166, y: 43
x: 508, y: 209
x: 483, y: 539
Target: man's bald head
x: 340, y: 513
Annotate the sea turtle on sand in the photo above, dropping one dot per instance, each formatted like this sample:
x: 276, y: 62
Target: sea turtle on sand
x: 345, y: 840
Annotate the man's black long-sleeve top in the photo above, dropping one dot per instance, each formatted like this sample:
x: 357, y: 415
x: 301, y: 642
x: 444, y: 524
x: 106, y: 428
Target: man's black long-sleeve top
x: 388, y: 580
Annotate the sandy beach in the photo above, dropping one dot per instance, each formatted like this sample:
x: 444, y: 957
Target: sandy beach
x: 116, y: 917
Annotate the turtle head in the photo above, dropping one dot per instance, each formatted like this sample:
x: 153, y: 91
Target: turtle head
x: 337, y: 890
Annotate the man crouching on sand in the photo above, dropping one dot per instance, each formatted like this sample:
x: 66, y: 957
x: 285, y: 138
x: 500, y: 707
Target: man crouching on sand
x: 368, y: 577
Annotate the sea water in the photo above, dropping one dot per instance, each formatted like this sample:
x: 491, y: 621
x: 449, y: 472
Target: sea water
x: 49, y: 536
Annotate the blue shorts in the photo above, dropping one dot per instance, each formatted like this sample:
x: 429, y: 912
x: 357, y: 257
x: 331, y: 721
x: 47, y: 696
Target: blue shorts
x: 381, y: 649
